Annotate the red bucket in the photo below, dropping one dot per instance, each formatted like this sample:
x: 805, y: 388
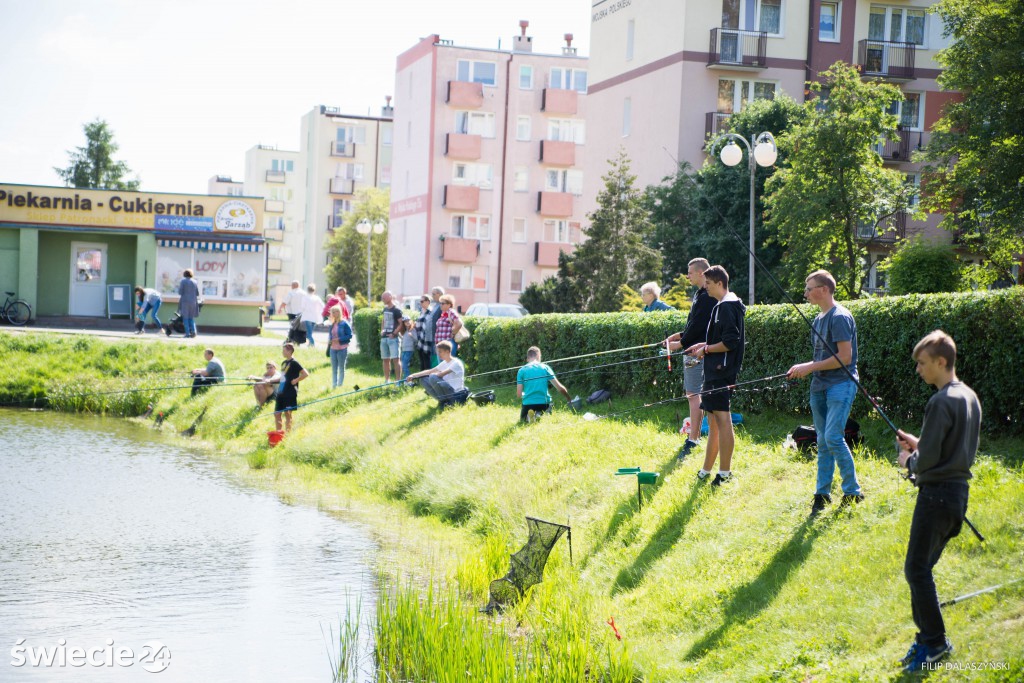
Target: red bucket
x: 274, y: 437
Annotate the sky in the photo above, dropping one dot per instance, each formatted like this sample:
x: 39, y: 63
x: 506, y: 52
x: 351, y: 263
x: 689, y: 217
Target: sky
x: 188, y: 86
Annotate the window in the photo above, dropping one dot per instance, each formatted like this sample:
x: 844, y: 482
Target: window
x: 476, y: 72
x: 630, y: 29
x: 563, y: 180
x: 567, y: 130
x: 273, y: 222
x: 627, y: 117
x: 828, y: 22
x: 386, y: 134
x: 565, y: 232
x: 478, y: 175
x: 340, y: 208
x: 910, y: 111
x: 568, y: 79
x: 286, y: 165
x: 766, y: 15
x: 733, y: 95
x: 234, y: 191
x: 219, y: 274
x: 519, y: 230
x: 523, y: 126
x: 349, y: 171
x: 515, y: 282
x: 475, y: 123
x: 468, y: 277
x: 471, y: 227
x: 521, y: 182
x: 526, y: 77
x: 913, y: 181
x: 347, y: 137
x: 897, y: 24
x: 281, y: 194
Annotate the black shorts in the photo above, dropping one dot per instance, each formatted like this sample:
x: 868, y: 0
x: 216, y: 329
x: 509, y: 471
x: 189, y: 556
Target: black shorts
x: 289, y: 400
x: 537, y: 408
x: 717, y: 401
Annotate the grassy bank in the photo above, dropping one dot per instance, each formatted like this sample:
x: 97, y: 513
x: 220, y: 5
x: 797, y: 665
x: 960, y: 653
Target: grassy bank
x: 703, y: 584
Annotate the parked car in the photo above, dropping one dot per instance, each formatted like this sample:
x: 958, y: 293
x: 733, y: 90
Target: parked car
x: 497, y: 310
x: 411, y: 303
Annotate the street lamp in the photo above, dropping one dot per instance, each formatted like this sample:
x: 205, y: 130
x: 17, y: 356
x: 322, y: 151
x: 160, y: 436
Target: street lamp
x: 363, y: 227
x: 762, y: 151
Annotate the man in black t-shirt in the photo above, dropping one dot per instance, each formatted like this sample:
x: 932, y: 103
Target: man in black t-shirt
x: 287, y: 393
x: 390, y: 353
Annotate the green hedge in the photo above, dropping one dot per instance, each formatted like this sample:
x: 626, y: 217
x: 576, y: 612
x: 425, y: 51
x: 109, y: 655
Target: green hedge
x: 988, y: 328
x: 366, y: 326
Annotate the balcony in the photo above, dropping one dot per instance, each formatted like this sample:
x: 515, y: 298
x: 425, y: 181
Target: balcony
x: 275, y: 176
x: 556, y: 101
x: 273, y: 206
x: 895, y: 148
x: 545, y: 254
x: 886, y: 231
x: 465, y: 95
x: 461, y: 197
x: 334, y: 222
x: 273, y: 234
x: 716, y: 123
x: 462, y: 146
x: 343, y: 149
x: 558, y: 153
x: 556, y: 204
x: 734, y: 49
x: 459, y: 249
x: 274, y: 265
x: 342, y: 186
x: 886, y: 59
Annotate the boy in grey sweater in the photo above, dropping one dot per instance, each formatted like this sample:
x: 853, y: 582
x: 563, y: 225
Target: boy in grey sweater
x: 941, y: 460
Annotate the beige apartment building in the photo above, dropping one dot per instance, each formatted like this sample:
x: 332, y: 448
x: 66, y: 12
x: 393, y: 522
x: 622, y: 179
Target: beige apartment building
x: 340, y: 155
x: 666, y: 75
x: 224, y: 185
x: 489, y: 167
x: 277, y: 176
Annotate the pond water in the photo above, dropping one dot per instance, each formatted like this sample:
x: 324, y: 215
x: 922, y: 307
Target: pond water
x: 112, y: 537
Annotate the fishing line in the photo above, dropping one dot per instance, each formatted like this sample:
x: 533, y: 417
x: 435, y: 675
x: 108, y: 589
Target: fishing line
x: 560, y: 360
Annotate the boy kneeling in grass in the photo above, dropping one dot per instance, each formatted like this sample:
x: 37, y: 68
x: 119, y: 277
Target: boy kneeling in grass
x: 941, y: 459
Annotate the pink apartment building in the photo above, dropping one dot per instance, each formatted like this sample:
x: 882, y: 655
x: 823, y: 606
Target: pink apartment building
x: 488, y: 167
x: 665, y: 75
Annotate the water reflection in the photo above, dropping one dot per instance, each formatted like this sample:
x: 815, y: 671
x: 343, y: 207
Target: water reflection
x: 106, y: 533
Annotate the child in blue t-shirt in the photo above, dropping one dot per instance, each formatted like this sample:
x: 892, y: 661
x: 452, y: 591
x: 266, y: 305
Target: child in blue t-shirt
x: 532, y: 385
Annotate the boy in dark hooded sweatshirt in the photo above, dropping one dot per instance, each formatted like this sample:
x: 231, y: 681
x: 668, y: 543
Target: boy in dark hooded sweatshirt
x: 722, y: 353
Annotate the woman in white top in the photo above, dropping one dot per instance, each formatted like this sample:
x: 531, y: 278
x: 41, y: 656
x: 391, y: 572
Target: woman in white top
x: 312, y: 307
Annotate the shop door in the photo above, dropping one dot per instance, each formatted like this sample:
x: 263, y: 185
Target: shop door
x: 88, y: 279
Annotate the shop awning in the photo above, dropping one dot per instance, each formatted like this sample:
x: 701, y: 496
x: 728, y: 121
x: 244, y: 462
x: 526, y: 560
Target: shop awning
x: 210, y: 246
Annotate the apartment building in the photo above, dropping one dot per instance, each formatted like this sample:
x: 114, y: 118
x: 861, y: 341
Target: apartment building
x: 277, y: 176
x: 340, y: 155
x: 225, y: 186
x: 489, y: 168
x: 667, y: 75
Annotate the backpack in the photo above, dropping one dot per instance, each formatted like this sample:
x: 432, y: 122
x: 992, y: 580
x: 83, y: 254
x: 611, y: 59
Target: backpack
x: 806, y: 438
x: 599, y: 396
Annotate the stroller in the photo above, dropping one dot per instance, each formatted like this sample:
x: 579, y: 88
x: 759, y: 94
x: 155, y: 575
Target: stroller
x: 177, y: 324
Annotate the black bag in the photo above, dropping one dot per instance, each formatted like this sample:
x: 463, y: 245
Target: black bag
x: 807, y: 438
x: 599, y: 396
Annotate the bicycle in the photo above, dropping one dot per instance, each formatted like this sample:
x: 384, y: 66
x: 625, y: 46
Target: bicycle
x: 15, y: 311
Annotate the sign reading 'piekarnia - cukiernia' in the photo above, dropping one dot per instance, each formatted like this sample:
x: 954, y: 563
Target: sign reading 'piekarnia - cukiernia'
x: 25, y: 204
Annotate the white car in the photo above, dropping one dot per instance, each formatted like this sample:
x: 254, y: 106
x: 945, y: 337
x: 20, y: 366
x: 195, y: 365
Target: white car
x: 497, y: 311
x: 410, y: 303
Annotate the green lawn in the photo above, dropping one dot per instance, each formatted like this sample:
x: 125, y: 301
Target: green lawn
x: 729, y: 584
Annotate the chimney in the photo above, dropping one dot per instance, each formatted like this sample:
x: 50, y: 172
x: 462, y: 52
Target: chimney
x: 387, y: 111
x: 568, y: 49
x: 522, y: 42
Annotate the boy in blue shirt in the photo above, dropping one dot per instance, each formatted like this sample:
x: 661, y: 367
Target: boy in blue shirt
x: 532, y: 385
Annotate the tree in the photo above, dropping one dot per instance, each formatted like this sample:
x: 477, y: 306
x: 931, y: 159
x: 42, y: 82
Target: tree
x: 976, y: 152
x: 920, y: 267
x: 346, y: 248
x: 701, y: 214
x: 835, y: 181
x: 93, y: 166
x: 615, y: 251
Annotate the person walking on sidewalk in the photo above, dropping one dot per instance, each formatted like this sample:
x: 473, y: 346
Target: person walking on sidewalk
x: 188, y: 302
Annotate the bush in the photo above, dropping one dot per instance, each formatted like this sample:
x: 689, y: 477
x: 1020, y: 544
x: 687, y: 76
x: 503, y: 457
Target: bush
x: 920, y: 267
x: 366, y: 326
x: 989, y: 328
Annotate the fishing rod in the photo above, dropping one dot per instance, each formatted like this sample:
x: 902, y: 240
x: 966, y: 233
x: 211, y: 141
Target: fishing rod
x: 560, y: 360
x: 871, y: 399
x: 687, y: 396
x: 990, y: 589
x: 572, y: 372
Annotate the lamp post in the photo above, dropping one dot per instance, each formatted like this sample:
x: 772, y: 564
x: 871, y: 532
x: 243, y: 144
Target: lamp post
x: 363, y: 227
x: 761, y: 151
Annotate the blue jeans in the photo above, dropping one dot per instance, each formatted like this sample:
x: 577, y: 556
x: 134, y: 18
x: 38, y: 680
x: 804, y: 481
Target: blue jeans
x: 154, y: 307
x: 309, y: 331
x: 831, y: 410
x: 338, y: 360
x: 406, y: 363
x: 190, y: 326
x: 437, y: 388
